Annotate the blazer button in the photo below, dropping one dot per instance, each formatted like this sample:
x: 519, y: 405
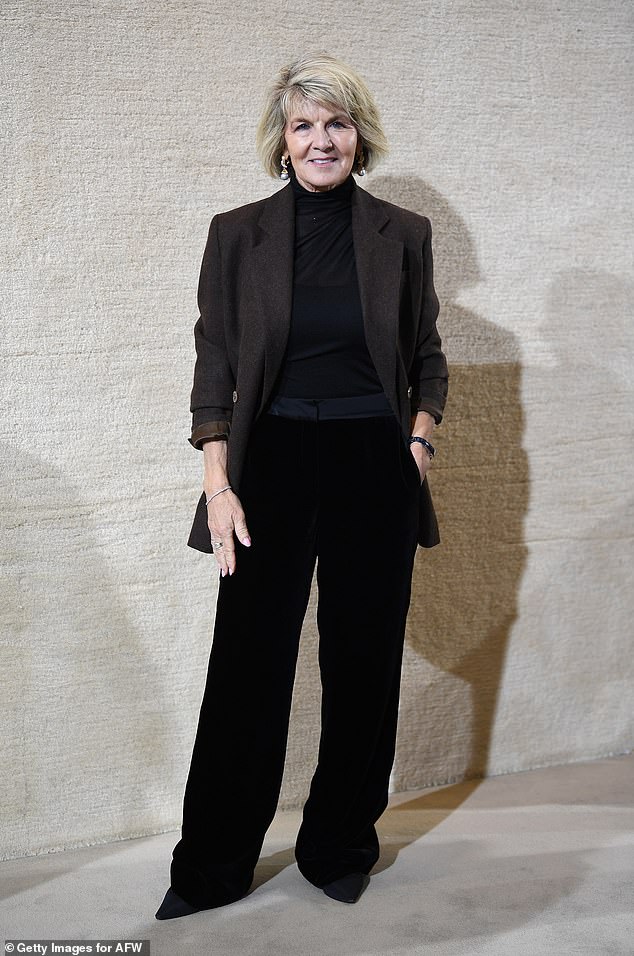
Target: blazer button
x: 409, y: 392
x: 235, y: 396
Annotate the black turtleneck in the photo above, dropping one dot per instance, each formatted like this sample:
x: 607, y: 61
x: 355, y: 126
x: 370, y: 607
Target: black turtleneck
x: 326, y: 355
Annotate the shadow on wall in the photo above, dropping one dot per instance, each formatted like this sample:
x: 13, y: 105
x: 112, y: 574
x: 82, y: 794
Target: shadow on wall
x: 86, y: 738
x: 465, y: 592
x: 586, y: 522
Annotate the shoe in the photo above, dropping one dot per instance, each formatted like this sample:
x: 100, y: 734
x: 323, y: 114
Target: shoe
x: 347, y: 889
x: 173, y: 906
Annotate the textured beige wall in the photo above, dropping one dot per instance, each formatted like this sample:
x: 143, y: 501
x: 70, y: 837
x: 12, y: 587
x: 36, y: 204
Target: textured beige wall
x: 130, y: 126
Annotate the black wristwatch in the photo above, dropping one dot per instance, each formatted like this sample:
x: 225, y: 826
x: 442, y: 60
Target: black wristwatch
x: 431, y: 451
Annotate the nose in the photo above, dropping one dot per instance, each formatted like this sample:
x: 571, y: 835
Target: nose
x: 322, y: 139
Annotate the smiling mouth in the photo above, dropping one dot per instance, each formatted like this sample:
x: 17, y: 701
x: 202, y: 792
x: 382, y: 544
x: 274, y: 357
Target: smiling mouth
x: 323, y: 162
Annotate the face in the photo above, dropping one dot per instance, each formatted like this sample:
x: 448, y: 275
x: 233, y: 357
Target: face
x: 321, y: 143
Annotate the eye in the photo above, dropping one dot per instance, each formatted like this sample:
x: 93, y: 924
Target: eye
x: 301, y: 126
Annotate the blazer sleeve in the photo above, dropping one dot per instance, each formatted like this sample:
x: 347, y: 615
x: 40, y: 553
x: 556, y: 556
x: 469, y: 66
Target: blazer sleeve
x: 428, y: 373
x: 211, y: 402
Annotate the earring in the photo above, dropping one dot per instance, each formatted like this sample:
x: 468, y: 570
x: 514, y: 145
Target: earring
x: 284, y: 174
x: 360, y: 166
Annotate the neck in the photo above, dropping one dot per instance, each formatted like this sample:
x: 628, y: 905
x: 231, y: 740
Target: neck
x: 340, y: 189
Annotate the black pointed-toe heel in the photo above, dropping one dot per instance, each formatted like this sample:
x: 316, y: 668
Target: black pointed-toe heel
x: 347, y: 889
x: 173, y: 906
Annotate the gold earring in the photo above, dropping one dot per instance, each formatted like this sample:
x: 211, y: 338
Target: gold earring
x: 284, y: 174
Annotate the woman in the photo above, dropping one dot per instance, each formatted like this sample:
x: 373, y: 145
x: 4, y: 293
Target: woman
x: 319, y: 378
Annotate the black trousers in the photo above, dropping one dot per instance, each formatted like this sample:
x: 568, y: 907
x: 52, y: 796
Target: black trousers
x: 343, y: 493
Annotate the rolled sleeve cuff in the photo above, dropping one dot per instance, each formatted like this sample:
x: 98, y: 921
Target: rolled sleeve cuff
x: 214, y: 430
x: 430, y: 396
x: 434, y: 408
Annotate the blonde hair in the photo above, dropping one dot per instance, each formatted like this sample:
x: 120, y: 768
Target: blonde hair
x: 325, y: 81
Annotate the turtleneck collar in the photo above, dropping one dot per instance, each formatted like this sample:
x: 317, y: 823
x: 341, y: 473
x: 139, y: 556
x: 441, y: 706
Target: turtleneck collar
x: 340, y: 194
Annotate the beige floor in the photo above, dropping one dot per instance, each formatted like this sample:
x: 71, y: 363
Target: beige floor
x: 533, y: 863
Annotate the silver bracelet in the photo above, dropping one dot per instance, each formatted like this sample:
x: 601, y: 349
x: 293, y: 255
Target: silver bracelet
x: 226, y: 488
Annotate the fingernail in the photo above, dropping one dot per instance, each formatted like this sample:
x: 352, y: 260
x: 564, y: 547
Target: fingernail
x: 247, y: 541
x: 230, y: 571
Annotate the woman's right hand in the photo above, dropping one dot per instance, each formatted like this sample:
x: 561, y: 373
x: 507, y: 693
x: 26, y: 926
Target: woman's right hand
x: 225, y: 517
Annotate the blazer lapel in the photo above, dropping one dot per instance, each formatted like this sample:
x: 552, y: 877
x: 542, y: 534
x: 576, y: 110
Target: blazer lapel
x: 379, y: 262
x: 272, y: 276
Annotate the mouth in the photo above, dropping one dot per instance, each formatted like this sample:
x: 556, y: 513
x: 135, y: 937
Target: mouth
x: 322, y: 162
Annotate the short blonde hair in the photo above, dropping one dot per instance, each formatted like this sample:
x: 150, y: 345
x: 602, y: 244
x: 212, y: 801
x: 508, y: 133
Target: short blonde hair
x: 325, y: 81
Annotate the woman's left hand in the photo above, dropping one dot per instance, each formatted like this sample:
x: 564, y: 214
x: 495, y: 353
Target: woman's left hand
x: 422, y: 424
x: 421, y: 457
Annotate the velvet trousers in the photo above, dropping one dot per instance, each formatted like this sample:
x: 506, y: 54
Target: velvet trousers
x: 342, y: 494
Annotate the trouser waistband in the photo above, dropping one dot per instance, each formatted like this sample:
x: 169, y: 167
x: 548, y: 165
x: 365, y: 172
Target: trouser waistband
x: 319, y: 409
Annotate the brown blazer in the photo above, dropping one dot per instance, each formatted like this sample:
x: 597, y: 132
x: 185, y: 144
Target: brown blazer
x: 245, y: 300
